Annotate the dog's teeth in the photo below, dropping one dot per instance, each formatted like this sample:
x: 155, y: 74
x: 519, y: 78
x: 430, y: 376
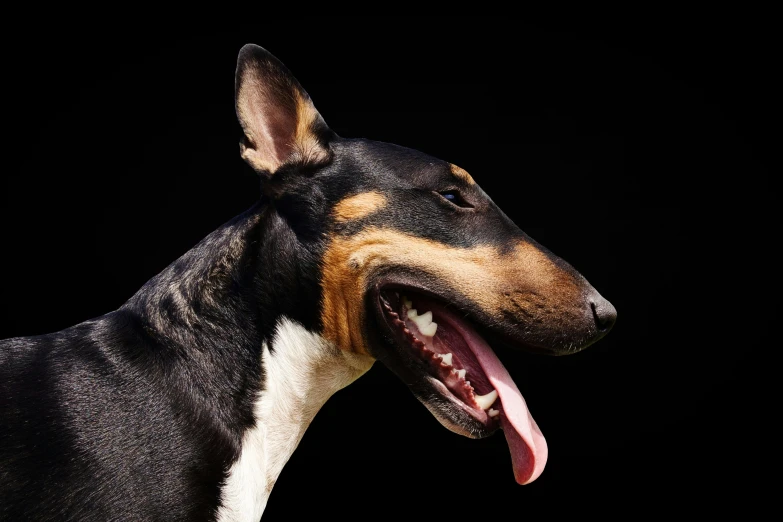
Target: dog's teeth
x: 423, y: 323
x: 493, y: 413
x: 446, y: 358
x: 423, y: 319
x: 407, y: 302
x: 485, y: 401
x: 429, y: 330
x: 461, y: 373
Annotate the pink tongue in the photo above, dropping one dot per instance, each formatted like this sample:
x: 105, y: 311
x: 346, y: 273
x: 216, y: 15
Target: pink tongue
x: 525, y: 441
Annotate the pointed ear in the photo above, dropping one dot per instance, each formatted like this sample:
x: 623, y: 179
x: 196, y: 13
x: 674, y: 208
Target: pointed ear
x: 280, y: 122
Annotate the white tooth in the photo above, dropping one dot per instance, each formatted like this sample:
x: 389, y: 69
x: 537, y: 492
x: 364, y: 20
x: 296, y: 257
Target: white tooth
x: 407, y: 302
x: 493, y: 413
x: 461, y: 373
x: 429, y: 330
x: 446, y: 358
x: 413, y: 314
x: 423, y: 319
x: 485, y: 401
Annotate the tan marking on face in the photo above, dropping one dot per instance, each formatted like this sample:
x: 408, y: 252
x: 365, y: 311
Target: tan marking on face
x: 359, y: 206
x: 486, y: 277
x: 460, y: 173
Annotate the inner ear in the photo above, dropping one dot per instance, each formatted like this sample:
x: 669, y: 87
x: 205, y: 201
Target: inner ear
x: 280, y: 123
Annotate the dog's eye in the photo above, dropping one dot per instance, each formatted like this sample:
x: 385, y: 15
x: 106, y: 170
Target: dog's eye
x: 454, y: 197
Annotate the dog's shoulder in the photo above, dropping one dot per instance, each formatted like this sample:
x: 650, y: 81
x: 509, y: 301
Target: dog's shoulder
x: 101, y: 402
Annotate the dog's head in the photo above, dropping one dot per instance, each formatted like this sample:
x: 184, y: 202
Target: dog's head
x: 416, y: 266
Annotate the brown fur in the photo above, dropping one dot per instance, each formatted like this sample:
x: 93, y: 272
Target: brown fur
x: 359, y: 206
x: 462, y: 174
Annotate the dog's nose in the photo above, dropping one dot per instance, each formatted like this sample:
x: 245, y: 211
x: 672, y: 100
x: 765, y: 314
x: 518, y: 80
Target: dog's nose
x: 604, y: 313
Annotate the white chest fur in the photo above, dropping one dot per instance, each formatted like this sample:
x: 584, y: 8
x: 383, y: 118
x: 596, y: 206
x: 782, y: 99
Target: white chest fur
x: 301, y: 372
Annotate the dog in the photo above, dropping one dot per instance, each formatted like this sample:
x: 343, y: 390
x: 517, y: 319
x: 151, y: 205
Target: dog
x: 187, y: 401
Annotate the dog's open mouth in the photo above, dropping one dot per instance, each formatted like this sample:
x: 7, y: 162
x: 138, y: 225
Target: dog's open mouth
x: 456, y: 374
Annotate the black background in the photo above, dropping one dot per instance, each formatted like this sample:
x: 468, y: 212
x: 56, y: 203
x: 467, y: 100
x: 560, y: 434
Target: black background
x: 641, y: 152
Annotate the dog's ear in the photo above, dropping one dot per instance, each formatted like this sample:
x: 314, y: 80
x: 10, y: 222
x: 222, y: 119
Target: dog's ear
x: 280, y: 122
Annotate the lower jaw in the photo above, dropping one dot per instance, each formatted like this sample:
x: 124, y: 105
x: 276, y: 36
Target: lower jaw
x: 457, y: 416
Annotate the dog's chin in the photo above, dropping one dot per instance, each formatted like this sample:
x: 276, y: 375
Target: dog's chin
x: 434, y: 360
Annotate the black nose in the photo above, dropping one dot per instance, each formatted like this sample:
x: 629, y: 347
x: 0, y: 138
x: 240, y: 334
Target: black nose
x: 604, y: 314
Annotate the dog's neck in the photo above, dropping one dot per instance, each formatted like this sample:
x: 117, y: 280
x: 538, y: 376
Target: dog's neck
x: 240, y: 279
x: 237, y: 313
x: 302, y: 370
